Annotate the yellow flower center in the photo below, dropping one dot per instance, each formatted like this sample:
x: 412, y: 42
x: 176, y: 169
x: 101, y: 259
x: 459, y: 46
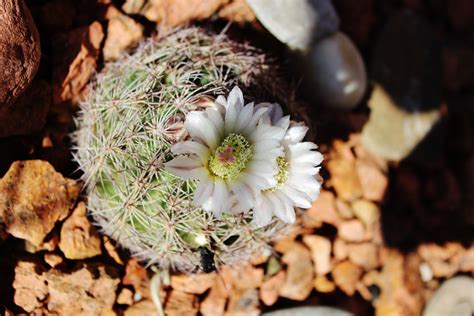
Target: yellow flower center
x: 231, y: 157
x: 282, y: 174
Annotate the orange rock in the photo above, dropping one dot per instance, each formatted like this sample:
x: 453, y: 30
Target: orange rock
x: 181, y: 304
x: 125, y: 297
x: 122, y: 32
x: 142, y: 308
x: 49, y: 244
x: 89, y: 289
x: 193, y: 284
x: 340, y: 249
x: 344, y: 209
x: 53, y: 259
x: 242, y: 276
x: 237, y: 11
x: 111, y: 251
x: 323, y: 285
x: 352, y: 230
x: 215, y: 301
x: 33, y: 197
x: 364, y: 255
x: 136, y: 275
x: 75, y: 61
x: 270, y: 289
x: 178, y: 12
x: 466, y: 263
x: 322, y: 210
x: 366, y: 211
x: 30, y: 285
x: 321, y: 253
x: 243, y: 303
x: 373, y: 181
x: 299, y: 274
x: 346, y: 275
x: 79, y: 239
x: 345, y: 179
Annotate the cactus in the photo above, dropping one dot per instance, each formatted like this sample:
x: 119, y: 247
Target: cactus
x: 133, y: 114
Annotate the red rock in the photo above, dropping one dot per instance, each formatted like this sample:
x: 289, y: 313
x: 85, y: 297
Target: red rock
x: 20, y: 51
x: 53, y: 259
x: 125, y: 297
x: 137, y: 276
x: 193, y: 284
x: 30, y: 285
x: 142, y: 308
x: 346, y: 275
x: 181, y: 304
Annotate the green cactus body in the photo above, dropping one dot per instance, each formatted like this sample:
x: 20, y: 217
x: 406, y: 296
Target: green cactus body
x: 134, y: 112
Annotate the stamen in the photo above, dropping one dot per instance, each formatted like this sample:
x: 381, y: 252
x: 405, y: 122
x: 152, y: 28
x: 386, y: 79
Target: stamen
x: 231, y: 157
x: 282, y: 175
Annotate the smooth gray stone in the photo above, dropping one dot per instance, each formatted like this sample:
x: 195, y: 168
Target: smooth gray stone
x: 309, y: 311
x: 334, y: 72
x: 455, y: 297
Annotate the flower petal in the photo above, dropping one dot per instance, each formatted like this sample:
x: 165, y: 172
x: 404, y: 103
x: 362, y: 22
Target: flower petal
x: 201, y: 129
x: 204, y: 191
x: 262, y: 213
x: 186, y: 167
x: 191, y: 147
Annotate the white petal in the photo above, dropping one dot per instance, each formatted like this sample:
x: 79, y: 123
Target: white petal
x: 204, y: 191
x: 314, y: 157
x: 267, y: 132
x: 191, y: 147
x: 201, y: 129
x: 284, y: 122
x: 288, y: 212
x: 244, y: 118
x: 235, y: 99
x: 215, y: 117
x: 186, y: 167
x: 256, y: 118
x: 262, y: 213
x: 295, y: 134
x: 300, y: 199
x: 220, y: 197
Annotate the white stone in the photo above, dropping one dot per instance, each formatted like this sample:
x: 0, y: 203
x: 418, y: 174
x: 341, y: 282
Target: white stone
x: 426, y: 273
x: 292, y: 22
x: 309, y: 311
x: 455, y: 297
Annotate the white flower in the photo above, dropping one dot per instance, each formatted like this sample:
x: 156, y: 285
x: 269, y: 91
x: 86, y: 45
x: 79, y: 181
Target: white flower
x: 298, y: 181
x: 231, y: 152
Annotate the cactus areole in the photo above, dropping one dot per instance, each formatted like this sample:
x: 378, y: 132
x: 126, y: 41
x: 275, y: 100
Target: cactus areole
x: 177, y: 166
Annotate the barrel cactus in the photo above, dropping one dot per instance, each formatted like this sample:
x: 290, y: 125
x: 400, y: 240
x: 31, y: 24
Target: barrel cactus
x: 135, y: 113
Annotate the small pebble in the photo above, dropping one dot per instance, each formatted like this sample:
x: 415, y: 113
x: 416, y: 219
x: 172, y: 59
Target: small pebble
x: 425, y: 272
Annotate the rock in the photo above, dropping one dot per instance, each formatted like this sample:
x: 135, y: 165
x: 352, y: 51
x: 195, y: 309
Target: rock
x: 454, y: 297
x: 299, y: 277
x: 122, y: 32
x: 309, y: 311
x: 79, y: 239
x: 321, y: 253
x: 366, y: 211
x: 193, y: 284
x: 364, y: 255
x: 293, y: 23
x: 171, y: 13
x: 181, y: 304
x: 111, y: 251
x: 49, y: 243
x: 145, y: 307
x: 242, y: 276
x: 334, y: 72
x: 344, y: 209
x: 425, y: 272
x: 346, y: 275
x: 20, y: 51
x: 345, y: 179
x: 137, y: 276
x: 125, y: 297
x: 352, y: 230
x: 33, y: 197
x: 88, y: 289
x: 215, y: 301
x: 392, y: 132
x: 340, y: 249
x: 74, y: 57
x: 322, y: 210
x: 53, y: 259
x: 270, y: 289
x: 30, y: 285
x: 373, y: 181
x: 243, y: 303
x: 323, y: 285
x: 237, y: 11
x: 28, y: 113
x: 133, y: 6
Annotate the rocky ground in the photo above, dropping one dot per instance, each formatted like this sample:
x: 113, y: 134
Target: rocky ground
x: 381, y: 238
